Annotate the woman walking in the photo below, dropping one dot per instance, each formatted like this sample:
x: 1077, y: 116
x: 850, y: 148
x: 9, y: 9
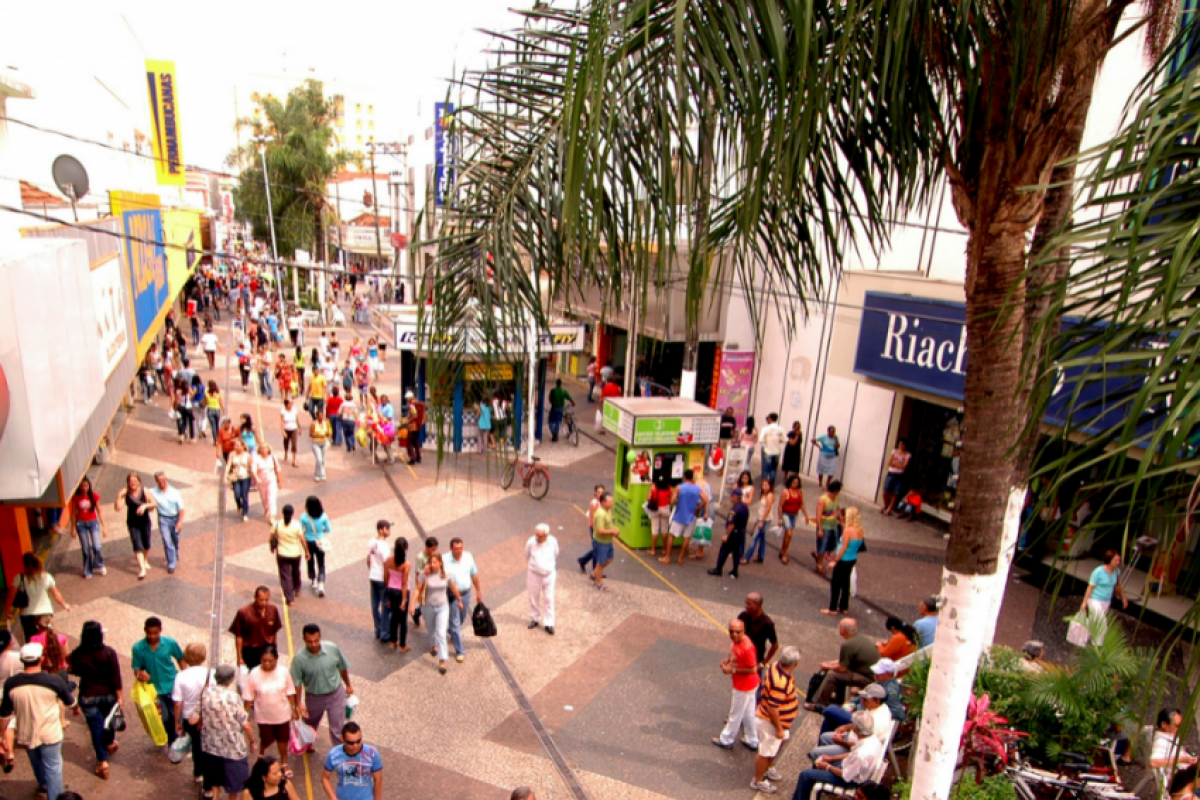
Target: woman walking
x: 397, y: 570
x: 432, y: 585
x: 320, y: 432
x: 237, y: 475
x: 791, y: 506
x: 249, y: 438
x: 830, y: 520
x: 262, y: 364
x: 1104, y: 583
x: 87, y: 525
x: 214, y: 407
x: 39, y: 586
x: 766, y: 502
x: 289, y: 417
x: 348, y: 420
x: 268, y: 475
x: 845, y: 560
x: 485, y: 427
x: 288, y: 545
x: 271, y: 695
x: 99, y: 672
x: 316, y: 526
x: 137, y: 521
x: 749, y: 440
x: 300, y: 370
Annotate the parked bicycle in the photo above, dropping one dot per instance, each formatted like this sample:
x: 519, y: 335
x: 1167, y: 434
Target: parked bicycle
x: 534, y: 477
x: 571, y: 426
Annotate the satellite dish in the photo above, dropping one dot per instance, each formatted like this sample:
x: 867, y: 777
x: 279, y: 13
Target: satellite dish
x: 71, y: 179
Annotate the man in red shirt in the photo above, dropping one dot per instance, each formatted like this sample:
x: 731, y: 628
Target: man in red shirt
x: 333, y: 413
x: 742, y: 666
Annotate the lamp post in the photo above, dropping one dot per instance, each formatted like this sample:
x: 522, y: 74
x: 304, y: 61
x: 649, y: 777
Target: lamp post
x: 262, y: 140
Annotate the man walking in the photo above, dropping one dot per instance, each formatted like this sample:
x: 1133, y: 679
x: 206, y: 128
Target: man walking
x: 773, y: 441
x: 322, y: 679
x: 157, y: 660
x: 683, y: 522
x: 32, y: 697
x: 255, y: 626
x: 778, y: 706
x: 166, y: 499
x: 603, y: 531
x: 559, y: 398
x: 358, y: 767
x: 735, y: 535
x: 460, y: 567
x: 541, y: 560
x: 742, y: 666
x: 760, y: 630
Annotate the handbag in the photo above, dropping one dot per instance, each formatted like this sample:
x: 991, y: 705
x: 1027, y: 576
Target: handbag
x: 323, y: 544
x: 274, y: 537
x: 115, y: 721
x: 652, y: 503
x: 1077, y: 633
x: 21, y: 598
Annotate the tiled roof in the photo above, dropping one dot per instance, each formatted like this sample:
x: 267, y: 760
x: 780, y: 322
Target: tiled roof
x: 33, y: 197
x: 367, y: 220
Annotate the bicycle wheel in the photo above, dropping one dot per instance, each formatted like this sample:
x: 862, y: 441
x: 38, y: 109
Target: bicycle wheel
x: 539, y: 484
x: 573, y: 433
x: 506, y: 477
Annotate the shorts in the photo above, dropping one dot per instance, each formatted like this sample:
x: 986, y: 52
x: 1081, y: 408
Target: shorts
x: 789, y: 520
x: 230, y: 774
x: 269, y: 734
x: 683, y: 529
x: 893, y: 483
x: 602, y: 553
x: 768, y: 745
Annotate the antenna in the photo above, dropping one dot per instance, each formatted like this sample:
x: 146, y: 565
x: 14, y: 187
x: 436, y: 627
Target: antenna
x: 71, y: 179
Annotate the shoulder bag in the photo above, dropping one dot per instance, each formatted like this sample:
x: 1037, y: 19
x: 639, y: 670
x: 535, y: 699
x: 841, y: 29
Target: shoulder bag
x: 274, y: 537
x: 21, y: 598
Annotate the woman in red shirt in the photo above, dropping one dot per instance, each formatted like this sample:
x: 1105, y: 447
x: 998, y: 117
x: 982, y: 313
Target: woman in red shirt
x: 88, y: 525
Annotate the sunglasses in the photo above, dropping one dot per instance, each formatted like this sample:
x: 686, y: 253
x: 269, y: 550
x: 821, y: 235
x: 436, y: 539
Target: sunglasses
x: 352, y: 742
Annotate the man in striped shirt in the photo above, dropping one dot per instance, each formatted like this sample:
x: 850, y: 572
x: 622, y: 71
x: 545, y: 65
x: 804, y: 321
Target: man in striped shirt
x: 777, y: 709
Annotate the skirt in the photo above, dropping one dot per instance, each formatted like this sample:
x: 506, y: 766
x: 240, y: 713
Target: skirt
x: 827, y: 464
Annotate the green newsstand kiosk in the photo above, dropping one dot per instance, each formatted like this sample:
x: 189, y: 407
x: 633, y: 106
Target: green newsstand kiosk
x: 659, y: 437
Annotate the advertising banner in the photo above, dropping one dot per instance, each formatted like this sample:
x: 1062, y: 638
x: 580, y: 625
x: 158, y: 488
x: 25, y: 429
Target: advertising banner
x: 443, y: 152
x: 108, y: 298
x: 182, y: 228
x: 167, y: 140
x: 146, y: 261
x: 678, y: 430
x: 735, y: 378
x: 470, y: 340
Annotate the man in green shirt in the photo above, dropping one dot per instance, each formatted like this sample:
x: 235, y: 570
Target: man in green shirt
x: 156, y: 660
x: 559, y: 397
x: 319, y: 672
x: 603, y: 531
x: 852, y: 668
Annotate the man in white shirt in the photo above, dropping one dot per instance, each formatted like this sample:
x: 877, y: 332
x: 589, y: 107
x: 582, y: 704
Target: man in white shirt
x: 209, y: 342
x: 189, y: 684
x: 1165, y: 755
x: 873, y: 700
x: 773, y: 440
x: 541, y: 557
x: 848, y: 769
x: 460, y: 567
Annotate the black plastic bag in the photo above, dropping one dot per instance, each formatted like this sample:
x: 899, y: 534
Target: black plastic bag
x: 481, y: 620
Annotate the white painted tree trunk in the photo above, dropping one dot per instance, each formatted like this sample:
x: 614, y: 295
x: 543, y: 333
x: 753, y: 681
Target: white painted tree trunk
x: 967, y: 620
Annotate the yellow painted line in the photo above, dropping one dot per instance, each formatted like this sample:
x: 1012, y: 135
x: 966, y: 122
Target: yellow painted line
x: 287, y: 626
x: 660, y: 576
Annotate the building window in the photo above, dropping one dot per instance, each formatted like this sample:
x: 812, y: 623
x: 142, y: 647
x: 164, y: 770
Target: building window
x: 371, y: 124
x: 358, y: 139
x: 370, y: 109
x: 358, y: 108
x: 358, y: 124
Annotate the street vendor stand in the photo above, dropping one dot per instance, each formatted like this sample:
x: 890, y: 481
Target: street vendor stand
x: 659, y: 437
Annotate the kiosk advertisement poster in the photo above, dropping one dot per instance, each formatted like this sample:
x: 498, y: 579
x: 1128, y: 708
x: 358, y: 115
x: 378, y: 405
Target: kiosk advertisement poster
x: 676, y: 430
x: 733, y: 387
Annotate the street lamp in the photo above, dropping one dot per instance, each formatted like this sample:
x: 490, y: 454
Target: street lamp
x: 262, y: 140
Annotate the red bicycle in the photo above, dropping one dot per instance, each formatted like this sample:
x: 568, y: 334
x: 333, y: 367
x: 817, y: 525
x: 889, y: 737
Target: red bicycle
x: 534, y: 477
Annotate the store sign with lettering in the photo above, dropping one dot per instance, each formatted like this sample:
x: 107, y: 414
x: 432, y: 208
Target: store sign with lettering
x: 677, y: 430
x: 914, y: 342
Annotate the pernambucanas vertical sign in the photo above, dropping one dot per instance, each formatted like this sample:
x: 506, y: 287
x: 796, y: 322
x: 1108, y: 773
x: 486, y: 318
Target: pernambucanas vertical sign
x: 167, y: 140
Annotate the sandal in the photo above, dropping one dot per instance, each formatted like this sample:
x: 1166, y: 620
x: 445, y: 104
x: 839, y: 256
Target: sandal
x: 783, y: 557
x: 829, y: 613
x: 101, y: 771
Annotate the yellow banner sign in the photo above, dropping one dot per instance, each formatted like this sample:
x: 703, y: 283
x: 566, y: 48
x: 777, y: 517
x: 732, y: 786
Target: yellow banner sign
x: 485, y: 372
x: 164, y: 116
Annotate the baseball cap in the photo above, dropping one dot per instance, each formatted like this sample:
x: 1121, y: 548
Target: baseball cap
x: 931, y: 602
x: 884, y: 666
x: 409, y: 395
x: 383, y: 523
x: 31, y: 653
x: 737, y: 492
x: 875, y: 692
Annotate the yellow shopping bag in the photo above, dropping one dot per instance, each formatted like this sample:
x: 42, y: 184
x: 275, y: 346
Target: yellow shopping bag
x: 145, y: 700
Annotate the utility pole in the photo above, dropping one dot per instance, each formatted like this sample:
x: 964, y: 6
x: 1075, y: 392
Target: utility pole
x: 262, y: 140
x: 375, y: 202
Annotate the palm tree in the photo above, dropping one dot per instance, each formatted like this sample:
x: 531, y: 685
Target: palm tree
x: 776, y: 132
x: 300, y: 160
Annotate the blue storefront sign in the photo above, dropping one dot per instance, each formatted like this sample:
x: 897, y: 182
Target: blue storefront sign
x: 443, y: 152
x: 922, y: 344
x: 147, y: 270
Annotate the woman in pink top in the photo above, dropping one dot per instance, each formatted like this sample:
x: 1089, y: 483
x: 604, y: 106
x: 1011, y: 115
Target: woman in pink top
x: 748, y: 439
x: 397, y: 570
x: 270, y: 693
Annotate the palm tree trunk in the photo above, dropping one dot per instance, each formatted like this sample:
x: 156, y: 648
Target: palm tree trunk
x: 991, y: 488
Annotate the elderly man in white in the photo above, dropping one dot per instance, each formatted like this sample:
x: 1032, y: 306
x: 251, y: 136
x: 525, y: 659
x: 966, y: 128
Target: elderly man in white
x: 541, y: 557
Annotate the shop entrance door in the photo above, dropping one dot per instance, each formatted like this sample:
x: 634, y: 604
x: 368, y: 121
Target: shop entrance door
x: 933, y: 434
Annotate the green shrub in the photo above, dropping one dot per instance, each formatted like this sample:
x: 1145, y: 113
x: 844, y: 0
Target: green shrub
x: 996, y: 787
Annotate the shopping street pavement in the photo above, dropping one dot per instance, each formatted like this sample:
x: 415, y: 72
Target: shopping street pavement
x: 628, y: 691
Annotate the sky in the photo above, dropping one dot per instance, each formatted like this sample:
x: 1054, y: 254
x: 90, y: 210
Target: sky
x: 85, y: 61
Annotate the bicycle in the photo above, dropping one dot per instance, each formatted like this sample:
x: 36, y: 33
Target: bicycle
x: 534, y: 477
x: 571, y: 426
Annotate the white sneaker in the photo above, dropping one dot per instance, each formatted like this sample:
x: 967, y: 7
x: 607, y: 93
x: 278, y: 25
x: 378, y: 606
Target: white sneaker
x: 314, y: 585
x: 764, y: 787
x: 320, y: 590
x: 773, y: 775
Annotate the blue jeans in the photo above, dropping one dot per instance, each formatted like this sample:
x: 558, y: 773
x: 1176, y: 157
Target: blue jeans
x: 264, y: 384
x: 811, y: 777
x: 95, y: 710
x: 556, y: 416
x: 436, y: 620
x: 381, y: 615
x: 348, y: 427
x: 241, y: 496
x: 456, y: 621
x: 214, y: 420
x: 770, y: 467
x: 90, y: 544
x: 170, y: 537
x: 828, y: 541
x: 47, y: 768
x: 835, y: 716
x: 759, y: 541
x: 336, y: 426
